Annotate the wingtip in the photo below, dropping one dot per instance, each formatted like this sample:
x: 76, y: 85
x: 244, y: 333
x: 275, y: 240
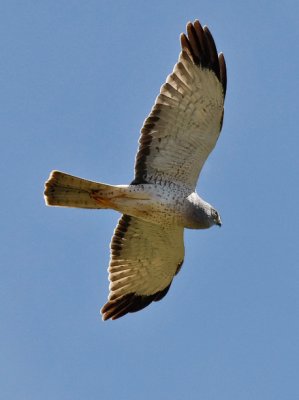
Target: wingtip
x: 188, y: 25
x: 104, y: 317
x: 199, y: 43
x: 223, y: 73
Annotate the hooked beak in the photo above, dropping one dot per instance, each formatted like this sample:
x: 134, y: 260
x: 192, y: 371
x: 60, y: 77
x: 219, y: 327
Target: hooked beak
x: 219, y: 222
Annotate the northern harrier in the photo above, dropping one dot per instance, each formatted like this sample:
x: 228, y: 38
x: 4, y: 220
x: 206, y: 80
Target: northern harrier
x: 147, y: 247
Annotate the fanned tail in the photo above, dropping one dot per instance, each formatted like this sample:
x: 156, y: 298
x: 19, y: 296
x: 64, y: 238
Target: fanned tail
x: 69, y: 191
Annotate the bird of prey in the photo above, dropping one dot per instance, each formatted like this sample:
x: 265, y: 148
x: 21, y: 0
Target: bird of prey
x: 147, y: 247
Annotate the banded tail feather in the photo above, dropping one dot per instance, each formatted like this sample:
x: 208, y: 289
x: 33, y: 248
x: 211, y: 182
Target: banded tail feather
x: 65, y: 190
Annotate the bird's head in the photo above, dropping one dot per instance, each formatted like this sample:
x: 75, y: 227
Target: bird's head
x: 215, y: 217
x: 202, y: 213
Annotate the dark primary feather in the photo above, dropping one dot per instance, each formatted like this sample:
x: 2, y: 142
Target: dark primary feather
x: 199, y: 43
x: 200, y: 46
x: 130, y: 303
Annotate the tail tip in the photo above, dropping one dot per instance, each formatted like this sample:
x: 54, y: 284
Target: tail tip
x: 49, y: 190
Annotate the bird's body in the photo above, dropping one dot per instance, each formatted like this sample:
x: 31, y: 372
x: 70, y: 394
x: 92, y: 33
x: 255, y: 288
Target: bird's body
x: 147, y: 248
x: 164, y: 204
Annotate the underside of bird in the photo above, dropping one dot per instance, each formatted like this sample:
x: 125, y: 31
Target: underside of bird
x: 147, y: 249
x: 140, y: 269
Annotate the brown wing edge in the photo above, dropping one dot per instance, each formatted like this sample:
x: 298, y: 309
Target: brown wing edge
x: 131, y: 302
x: 119, y: 233
x: 200, y: 46
x: 144, y: 145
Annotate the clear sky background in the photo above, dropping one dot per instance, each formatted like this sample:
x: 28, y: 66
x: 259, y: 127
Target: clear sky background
x: 77, y: 80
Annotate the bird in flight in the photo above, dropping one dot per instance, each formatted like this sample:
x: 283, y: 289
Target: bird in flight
x: 147, y: 247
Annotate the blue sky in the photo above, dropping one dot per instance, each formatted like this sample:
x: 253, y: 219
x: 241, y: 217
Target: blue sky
x: 77, y: 80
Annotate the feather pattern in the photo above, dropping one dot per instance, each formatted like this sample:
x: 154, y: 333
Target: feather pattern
x: 147, y: 248
x: 185, y: 122
x: 144, y: 259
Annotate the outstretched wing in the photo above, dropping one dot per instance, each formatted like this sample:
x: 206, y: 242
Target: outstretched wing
x: 144, y: 259
x: 185, y: 122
